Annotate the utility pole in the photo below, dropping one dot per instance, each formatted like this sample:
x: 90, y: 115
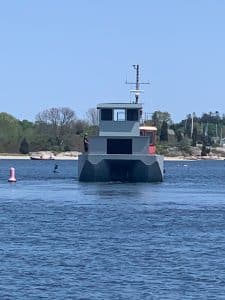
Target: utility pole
x: 192, y: 123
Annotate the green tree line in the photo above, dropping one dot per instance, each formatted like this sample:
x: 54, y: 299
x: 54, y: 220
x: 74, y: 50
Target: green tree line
x: 54, y: 129
x: 207, y: 130
x: 59, y: 129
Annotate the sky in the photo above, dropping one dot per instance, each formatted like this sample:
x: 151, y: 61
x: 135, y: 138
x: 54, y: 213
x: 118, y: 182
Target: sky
x: 76, y: 54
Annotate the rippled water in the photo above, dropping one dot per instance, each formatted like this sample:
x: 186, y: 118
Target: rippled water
x: 62, y: 239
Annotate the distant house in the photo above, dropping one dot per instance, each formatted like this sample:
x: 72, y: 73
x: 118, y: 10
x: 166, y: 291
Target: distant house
x: 171, y: 136
x: 222, y: 142
x: 215, y: 140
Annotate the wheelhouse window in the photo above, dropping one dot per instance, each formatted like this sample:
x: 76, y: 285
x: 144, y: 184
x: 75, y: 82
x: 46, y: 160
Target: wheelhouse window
x: 119, y: 115
x: 106, y: 114
x: 150, y: 135
x: 132, y: 114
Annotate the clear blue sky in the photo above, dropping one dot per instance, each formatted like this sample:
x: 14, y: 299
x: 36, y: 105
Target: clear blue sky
x: 78, y: 53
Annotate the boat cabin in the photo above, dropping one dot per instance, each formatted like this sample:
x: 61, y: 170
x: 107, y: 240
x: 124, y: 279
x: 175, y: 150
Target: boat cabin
x: 120, y: 131
x: 119, y: 119
x: 149, y: 131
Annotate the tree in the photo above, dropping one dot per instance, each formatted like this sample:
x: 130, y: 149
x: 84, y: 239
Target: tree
x: 66, y: 148
x: 184, y: 145
x: 194, y: 137
x: 80, y: 126
x: 164, y: 132
x: 158, y: 117
x: 92, y: 116
x: 56, y: 125
x: 10, y: 133
x: 179, y: 135
x: 24, y: 147
x: 188, y: 125
x: 25, y: 124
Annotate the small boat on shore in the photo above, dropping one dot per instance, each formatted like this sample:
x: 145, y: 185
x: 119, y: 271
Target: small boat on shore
x: 41, y: 158
x: 42, y: 155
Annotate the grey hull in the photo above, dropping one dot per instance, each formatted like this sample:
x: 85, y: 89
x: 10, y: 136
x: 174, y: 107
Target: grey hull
x: 122, y: 167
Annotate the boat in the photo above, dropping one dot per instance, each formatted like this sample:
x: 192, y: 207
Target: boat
x: 41, y: 158
x: 124, y: 150
x: 41, y: 155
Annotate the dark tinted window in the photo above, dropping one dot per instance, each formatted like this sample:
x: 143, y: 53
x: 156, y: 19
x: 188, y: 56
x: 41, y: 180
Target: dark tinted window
x: 106, y: 114
x: 132, y: 115
x: 119, y: 146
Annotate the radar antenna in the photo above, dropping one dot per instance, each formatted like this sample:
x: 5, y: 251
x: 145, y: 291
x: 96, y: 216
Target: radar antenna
x: 137, y: 90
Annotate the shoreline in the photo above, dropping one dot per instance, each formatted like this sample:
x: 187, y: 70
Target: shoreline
x: 62, y: 156
x: 17, y: 157
x: 26, y: 157
x: 192, y: 158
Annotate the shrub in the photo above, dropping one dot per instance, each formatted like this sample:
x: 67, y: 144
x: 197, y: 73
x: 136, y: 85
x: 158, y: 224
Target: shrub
x: 24, y: 147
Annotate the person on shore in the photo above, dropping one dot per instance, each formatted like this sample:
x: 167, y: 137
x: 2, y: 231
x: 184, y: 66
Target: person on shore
x: 55, y: 168
x: 86, y: 143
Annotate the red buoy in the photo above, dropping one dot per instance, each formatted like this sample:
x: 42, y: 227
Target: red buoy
x: 12, y: 176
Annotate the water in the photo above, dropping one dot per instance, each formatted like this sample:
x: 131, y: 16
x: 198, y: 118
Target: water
x: 62, y: 239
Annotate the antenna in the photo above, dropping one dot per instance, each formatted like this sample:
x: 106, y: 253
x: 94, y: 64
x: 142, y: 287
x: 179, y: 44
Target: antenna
x: 137, y: 91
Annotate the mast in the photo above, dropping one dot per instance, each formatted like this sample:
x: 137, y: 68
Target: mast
x: 137, y: 90
x: 137, y: 83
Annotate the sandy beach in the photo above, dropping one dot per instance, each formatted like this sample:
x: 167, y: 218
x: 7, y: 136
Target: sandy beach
x: 13, y: 156
x: 42, y: 155
x: 192, y: 158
